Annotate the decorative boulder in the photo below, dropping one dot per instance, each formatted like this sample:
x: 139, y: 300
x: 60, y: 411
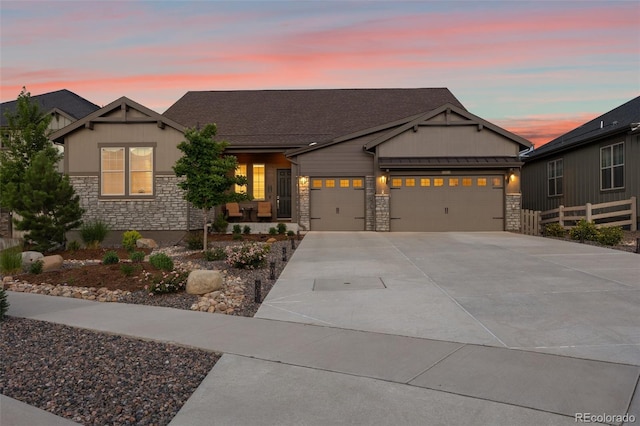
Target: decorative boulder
x: 202, y: 281
x: 29, y: 257
x: 52, y: 263
x: 146, y: 243
x: 271, y: 240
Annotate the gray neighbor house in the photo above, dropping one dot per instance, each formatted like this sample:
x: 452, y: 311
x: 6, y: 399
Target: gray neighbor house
x: 598, y: 162
x: 335, y: 159
x: 65, y: 107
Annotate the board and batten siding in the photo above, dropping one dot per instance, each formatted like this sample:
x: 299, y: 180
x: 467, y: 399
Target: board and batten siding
x: 83, y: 155
x: 448, y: 141
x: 581, y: 177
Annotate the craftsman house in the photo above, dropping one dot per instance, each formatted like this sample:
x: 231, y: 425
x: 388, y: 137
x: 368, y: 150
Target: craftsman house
x: 598, y: 162
x: 354, y: 159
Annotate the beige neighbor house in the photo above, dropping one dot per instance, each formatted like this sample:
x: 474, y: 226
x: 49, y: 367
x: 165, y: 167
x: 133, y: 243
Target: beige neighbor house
x: 64, y: 107
x: 354, y: 159
x: 597, y: 162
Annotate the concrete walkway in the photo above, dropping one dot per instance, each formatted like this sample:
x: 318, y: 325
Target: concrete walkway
x: 277, y: 372
x: 406, y: 329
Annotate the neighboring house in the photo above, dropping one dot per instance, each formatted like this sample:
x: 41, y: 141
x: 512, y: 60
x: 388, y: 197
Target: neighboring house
x: 598, y: 162
x: 64, y: 106
x: 353, y: 159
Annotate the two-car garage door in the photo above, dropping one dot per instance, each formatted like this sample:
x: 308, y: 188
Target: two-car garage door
x: 447, y: 203
x: 417, y: 203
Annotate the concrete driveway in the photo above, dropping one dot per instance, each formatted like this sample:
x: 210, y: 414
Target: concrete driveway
x: 490, y: 288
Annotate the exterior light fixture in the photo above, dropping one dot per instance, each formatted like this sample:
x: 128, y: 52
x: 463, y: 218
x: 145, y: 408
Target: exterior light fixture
x: 303, y: 180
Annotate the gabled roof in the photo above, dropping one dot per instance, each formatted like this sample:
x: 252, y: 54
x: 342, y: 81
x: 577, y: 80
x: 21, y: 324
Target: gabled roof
x: 622, y: 119
x: 122, y: 103
x: 296, y: 118
x: 471, y: 119
x: 62, y: 101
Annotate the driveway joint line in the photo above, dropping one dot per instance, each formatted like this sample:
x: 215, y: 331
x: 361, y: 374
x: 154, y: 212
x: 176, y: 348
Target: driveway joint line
x: 435, y: 363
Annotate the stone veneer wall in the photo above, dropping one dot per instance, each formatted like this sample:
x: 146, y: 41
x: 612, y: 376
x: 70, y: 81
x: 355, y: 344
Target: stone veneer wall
x: 304, y: 214
x: 514, y: 205
x: 383, y: 216
x: 167, y: 211
x: 370, y: 203
x: 5, y: 224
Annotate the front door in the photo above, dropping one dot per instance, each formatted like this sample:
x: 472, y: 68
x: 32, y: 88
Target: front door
x: 283, y: 199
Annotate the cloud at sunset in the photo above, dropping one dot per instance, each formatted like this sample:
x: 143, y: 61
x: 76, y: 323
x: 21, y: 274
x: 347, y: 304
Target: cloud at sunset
x: 533, y: 69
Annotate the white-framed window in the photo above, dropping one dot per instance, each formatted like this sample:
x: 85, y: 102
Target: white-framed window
x: 555, y: 177
x: 612, y: 166
x: 241, y: 171
x: 126, y: 171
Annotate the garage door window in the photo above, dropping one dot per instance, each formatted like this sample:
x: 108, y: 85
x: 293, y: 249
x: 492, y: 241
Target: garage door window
x: 357, y: 183
x: 482, y: 181
x: 454, y: 182
x: 467, y: 182
x: 330, y: 183
x: 344, y: 183
x: 425, y: 182
x: 497, y: 182
x: 438, y: 182
x: 316, y: 183
x: 396, y: 182
x: 410, y: 182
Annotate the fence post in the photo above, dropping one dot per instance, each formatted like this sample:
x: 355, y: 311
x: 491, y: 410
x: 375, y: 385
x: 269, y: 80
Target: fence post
x: 588, y: 212
x: 537, y: 217
x: 634, y: 214
x: 561, y: 215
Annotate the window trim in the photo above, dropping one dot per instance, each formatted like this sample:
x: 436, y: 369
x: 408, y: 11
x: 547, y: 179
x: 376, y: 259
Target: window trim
x: 612, y: 167
x: 558, y: 191
x: 127, y: 170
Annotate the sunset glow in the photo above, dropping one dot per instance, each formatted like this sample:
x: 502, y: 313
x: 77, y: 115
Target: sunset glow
x: 538, y: 69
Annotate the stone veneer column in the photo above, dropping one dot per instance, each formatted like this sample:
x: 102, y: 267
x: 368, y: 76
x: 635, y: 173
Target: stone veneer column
x: 370, y: 203
x: 514, y: 205
x: 304, y: 214
x: 382, y: 213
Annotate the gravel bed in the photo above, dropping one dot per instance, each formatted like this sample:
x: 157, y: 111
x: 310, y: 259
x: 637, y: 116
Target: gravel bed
x: 95, y: 378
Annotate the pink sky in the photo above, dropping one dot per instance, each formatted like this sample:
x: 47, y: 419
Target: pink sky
x: 538, y: 69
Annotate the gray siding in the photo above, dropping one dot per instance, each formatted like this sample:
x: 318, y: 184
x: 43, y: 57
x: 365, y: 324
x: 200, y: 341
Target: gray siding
x: 342, y: 159
x: 581, y: 177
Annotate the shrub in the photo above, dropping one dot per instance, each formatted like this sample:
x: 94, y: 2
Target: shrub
x: 167, y: 282
x: 11, y: 260
x: 4, y: 305
x: 610, y: 236
x: 129, y: 239
x: 584, y: 231
x: 273, y: 231
x: 246, y: 230
x: 237, y: 237
x: 237, y: 229
x: 247, y: 256
x: 73, y: 246
x: 282, y: 228
x: 93, y: 233
x: 161, y: 261
x: 127, y: 269
x: 194, y: 241
x: 137, y: 256
x: 291, y: 233
x: 219, y: 225
x: 36, y: 267
x: 554, y: 230
x: 110, y: 258
x: 217, y: 253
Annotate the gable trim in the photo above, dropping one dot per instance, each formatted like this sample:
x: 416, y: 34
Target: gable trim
x: 123, y: 103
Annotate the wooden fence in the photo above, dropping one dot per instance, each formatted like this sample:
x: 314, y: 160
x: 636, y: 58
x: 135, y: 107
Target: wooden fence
x: 615, y: 213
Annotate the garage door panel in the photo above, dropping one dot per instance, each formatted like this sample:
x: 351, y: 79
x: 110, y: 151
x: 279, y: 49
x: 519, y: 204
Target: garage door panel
x: 336, y: 207
x: 452, y: 203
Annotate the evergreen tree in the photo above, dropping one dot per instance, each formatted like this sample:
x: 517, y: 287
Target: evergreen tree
x: 47, y: 204
x: 209, y: 173
x: 26, y: 135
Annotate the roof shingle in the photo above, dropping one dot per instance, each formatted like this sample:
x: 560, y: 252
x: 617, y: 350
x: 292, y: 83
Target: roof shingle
x: 65, y: 100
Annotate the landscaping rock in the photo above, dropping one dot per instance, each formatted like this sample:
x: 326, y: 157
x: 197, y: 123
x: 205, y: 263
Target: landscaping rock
x: 52, y: 263
x: 29, y: 257
x: 271, y: 240
x: 202, y: 281
x: 146, y: 243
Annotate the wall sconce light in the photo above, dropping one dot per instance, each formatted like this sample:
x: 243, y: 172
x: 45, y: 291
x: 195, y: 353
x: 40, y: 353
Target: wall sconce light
x: 383, y: 179
x: 511, y: 175
x: 303, y: 180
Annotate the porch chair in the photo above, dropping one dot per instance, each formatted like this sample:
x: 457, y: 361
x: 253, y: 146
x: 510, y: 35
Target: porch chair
x: 264, y: 210
x: 233, y: 210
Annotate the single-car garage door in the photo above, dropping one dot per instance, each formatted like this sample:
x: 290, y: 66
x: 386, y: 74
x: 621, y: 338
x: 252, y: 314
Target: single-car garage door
x: 337, y: 204
x: 447, y: 203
